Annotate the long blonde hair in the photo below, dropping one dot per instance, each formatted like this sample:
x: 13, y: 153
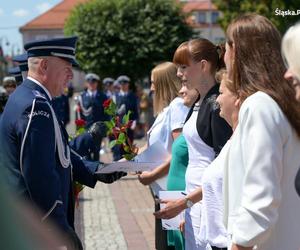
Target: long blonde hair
x: 167, y: 85
x: 291, y: 48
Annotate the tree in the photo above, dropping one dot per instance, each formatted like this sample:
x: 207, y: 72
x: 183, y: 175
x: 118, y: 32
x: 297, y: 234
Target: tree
x: 126, y: 36
x: 272, y: 9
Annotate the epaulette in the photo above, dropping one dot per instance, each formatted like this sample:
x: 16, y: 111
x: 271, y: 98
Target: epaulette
x: 38, y: 94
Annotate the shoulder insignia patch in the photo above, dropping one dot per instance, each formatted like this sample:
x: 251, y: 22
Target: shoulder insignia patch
x: 38, y: 94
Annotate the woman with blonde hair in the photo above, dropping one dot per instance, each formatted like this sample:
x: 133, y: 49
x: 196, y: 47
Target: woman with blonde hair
x: 170, y: 115
x: 291, y: 52
x: 261, y: 205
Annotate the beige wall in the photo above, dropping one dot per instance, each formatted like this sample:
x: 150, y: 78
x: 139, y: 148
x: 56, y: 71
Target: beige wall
x: 33, y: 35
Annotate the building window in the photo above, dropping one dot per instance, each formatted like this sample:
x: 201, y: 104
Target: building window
x: 41, y: 37
x: 214, y: 17
x: 201, y: 17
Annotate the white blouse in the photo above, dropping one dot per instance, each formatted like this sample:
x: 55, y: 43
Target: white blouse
x: 172, y: 117
x: 261, y: 205
x: 212, y: 229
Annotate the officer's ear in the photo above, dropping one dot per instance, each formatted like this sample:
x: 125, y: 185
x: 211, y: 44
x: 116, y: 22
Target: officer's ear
x: 44, y: 64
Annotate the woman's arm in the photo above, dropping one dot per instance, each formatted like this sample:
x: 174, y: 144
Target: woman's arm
x: 175, y: 207
x: 147, y: 177
x: 261, y: 143
x: 142, y: 149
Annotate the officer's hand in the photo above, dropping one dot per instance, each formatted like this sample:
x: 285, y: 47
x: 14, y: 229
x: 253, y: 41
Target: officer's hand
x: 97, y: 131
x: 111, y: 177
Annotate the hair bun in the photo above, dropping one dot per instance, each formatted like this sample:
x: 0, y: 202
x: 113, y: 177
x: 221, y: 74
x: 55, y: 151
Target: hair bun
x: 220, y: 48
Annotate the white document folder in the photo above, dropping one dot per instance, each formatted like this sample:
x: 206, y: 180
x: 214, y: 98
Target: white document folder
x: 171, y: 224
x: 151, y: 158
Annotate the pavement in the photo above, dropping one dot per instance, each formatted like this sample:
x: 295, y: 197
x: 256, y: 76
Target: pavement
x: 117, y: 215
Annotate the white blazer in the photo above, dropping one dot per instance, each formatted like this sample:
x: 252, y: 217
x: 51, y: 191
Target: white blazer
x: 261, y: 206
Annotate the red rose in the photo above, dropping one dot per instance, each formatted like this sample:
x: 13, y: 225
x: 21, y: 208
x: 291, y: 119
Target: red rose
x: 106, y: 103
x: 80, y: 123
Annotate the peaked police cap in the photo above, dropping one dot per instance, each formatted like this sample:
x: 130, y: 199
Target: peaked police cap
x: 59, y: 47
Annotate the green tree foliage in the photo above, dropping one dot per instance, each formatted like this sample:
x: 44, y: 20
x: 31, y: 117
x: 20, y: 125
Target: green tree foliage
x: 126, y: 36
x: 268, y: 8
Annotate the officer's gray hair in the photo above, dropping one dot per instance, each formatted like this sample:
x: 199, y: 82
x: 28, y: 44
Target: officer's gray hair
x: 34, y: 61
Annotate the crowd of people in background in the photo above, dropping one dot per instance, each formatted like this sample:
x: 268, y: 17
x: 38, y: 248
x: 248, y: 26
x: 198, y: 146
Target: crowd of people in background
x: 228, y: 116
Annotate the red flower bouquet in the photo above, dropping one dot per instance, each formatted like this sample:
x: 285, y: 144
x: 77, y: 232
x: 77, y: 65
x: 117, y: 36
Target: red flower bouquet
x: 118, y: 129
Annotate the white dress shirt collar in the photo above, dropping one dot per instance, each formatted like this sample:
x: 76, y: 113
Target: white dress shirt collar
x: 122, y: 93
x: 43, y: 87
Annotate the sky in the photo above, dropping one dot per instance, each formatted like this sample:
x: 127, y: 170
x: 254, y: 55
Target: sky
x: 13, y: 15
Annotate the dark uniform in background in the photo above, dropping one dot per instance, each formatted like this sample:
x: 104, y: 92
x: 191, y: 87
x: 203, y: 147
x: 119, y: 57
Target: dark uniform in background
x: 16, y: 73
x: 62, y: 108
x: 35, y: 157
x: 91, y: 107
x: 126, y: 101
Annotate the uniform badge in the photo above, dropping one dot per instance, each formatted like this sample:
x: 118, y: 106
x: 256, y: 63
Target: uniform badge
x: 38, y: 94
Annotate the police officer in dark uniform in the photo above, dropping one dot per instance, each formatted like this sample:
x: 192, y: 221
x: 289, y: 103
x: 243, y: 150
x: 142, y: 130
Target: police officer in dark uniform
x: 35, y: 157
x: 91, y: 106
x: 22, y: 64
x: 16, y: 73
x: 108, y: 87
x: 83, y: 144
x: 126, y: 101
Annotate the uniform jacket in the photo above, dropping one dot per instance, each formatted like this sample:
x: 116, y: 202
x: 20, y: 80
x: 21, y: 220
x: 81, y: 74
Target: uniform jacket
x: 128, y: 102
x: 94, y: 107
x: 62, y: 108
x: 29, y: 155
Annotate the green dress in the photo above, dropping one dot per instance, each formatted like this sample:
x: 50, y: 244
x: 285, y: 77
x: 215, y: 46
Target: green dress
x: 176, y: 182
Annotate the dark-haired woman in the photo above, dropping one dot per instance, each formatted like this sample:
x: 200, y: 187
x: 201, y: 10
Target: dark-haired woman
x: 261, y: 205
x: 205, y: 131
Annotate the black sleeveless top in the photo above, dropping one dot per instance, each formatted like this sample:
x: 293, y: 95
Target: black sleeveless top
x: 212, y: 128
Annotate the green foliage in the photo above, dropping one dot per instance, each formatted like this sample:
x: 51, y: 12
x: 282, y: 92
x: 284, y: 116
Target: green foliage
x: 112, y: 143
x: 80, y: 131
x: 110, y: 124
x: 129, y: 157
x: 121, y: 138
x: 126, y: 36
x: 111, y: 110
x: 125, y: 119
x: 232, y: 8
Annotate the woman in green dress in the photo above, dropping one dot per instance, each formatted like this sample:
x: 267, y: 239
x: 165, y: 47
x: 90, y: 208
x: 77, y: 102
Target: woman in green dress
x: 179, y: 162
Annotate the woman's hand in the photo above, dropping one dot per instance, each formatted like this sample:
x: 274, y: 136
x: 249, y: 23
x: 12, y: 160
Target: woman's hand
x: 172, y: 209
x: 146, y: 177
x: 181, y: 226
x: 238, y: 247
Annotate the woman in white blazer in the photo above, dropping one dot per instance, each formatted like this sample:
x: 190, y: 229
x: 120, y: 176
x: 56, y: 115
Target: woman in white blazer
x: 261, y: 205
x: 291, y: 52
